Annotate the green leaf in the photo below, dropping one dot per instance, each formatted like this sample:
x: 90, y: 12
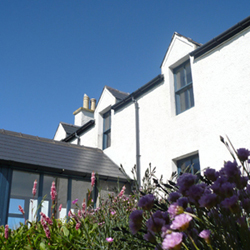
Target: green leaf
x: 65, y: 231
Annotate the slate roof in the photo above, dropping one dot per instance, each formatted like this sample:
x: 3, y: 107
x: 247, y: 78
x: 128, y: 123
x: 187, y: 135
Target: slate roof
x: 33, y: 152
x: 119, y: 95
x: 69, y: 128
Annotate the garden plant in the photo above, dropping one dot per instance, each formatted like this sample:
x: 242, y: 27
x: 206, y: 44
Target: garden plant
x: 209, y: 210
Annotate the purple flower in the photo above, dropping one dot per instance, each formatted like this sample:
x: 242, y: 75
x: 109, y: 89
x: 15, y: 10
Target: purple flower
x: 135, y: 221
x: 185, y: 181
x: 109, y: 239
x: 182, y: 202
x: 243, y: 154
x: 232, y: 170
x: 245, y: 203
x: 216, y: 187
x: 172, y: 240
x: 194, y: 193
x: 208, y: 200
x: 173, y: 197
x: 230, y: 202
x: 227, y: 189
x: 211, y: 174
x: 146, y: 202
x: 181, y: 222
x: 75, y: 201
x: 150, y: 236
x: 155, y: 224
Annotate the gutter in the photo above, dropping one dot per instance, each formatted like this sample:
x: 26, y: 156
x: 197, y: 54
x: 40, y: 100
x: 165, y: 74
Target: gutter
x: 221, y: 38
x: 154, y: 82
x: 79, y: 131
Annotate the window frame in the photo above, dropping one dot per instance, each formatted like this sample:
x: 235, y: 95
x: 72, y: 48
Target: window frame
x: 186, y: 89
x: 106, y: 132
x: 189, y: 167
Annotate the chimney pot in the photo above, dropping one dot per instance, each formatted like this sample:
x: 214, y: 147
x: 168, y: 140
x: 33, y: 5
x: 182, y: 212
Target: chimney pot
x: 93, y: 102
x: 85, y: 102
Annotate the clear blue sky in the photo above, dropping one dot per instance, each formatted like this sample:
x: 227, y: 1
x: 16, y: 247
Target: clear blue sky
x: 54, y: 51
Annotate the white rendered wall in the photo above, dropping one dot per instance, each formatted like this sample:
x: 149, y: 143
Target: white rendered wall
x: 60, y: 133
x: 221, y: 88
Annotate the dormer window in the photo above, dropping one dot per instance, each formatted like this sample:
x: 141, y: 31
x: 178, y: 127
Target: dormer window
x: 184, y: 97
x: 107, y: 129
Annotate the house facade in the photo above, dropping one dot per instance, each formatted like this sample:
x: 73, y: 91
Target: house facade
x: 175, y: 120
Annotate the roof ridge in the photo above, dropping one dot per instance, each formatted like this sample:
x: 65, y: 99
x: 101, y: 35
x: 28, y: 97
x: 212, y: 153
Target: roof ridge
x: 108, y: 87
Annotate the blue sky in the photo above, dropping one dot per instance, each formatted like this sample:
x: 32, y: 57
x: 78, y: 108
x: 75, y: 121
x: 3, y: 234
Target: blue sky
x: 54, y: 51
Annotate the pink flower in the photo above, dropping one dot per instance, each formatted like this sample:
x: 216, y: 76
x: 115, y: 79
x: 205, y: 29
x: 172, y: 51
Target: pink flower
x: 53, y: 192
x: 45, y: 227
x: 79, y: 214
x: 172, y: 241
x: 181, y: 222
x: 6, y: 232
x: 20, y: 209
x: 93, y: 179
x: 122, y: 191
x: 205, y: 234
x: 109, y: 239
x: 78, y: 225
x: 60, y: 208
x: 34, y: 188
x: 75, y: 201
x: 113, y: 212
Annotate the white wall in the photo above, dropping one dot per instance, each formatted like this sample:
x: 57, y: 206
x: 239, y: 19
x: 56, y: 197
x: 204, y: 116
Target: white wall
x: 60, y: 133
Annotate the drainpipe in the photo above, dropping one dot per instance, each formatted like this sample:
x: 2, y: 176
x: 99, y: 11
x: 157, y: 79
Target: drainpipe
x: 137, y: 142
x: 78, y: 138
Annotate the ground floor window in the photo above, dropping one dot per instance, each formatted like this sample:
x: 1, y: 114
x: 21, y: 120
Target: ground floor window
x: 21, y: 195
x: 189, y: 164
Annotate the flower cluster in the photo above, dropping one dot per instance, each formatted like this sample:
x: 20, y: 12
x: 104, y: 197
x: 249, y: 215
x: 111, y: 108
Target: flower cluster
x: 200, y: 211
x: 46, y: 221
x: 53, y: 192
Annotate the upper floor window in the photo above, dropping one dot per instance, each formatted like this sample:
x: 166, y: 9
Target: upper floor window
x: 184, y: 97
x: 107, y: 130
x: 189, y: 164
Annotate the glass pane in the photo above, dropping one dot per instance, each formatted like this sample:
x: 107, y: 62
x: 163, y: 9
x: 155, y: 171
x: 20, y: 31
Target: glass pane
x: 182, y: 98
x: 196, y: 164
x: 188, y: 73
x: 14, y: 222
x: 108, y: 139
x: 80, y: 191
x: 13, y: 206
x: 180, y: 78
x: 107, y: 122
x: 61, y: 198
x: 21, y: 194
x: 22, y: 183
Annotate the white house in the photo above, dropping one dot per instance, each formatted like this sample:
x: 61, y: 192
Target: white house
x: 175, y: 119
x: 172, y: 122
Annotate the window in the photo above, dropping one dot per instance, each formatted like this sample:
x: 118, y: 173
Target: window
x: 107, y: 130
x: 184, y: 97
x: 189, y: 164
